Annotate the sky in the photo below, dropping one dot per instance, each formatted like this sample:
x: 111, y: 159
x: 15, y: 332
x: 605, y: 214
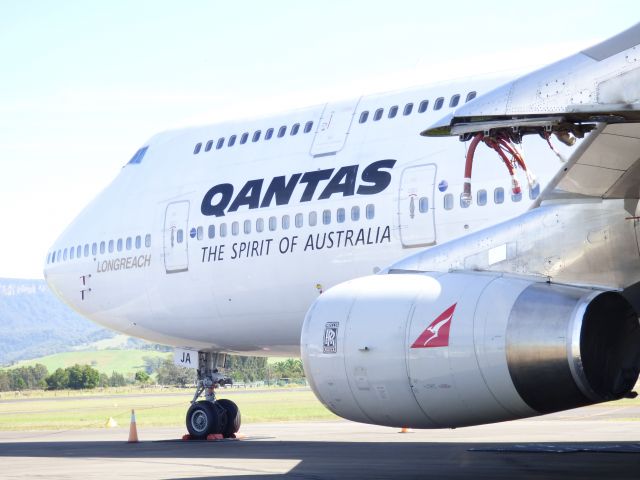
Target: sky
x: 83, y: 84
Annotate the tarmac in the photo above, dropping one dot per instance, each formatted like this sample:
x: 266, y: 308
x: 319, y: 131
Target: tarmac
x: 592, y: 442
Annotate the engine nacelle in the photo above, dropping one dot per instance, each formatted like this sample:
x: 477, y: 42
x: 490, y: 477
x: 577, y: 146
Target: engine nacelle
x: 457, y: 349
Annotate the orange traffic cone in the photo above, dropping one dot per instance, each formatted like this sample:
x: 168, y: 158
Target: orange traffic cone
x: 405, y: 430
x: 133, y: 430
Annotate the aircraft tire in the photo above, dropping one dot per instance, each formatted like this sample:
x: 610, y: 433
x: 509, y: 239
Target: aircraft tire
x: 203, y: 419
x: 234, y: 419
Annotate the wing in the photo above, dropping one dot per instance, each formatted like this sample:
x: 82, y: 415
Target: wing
x: 594, y: 94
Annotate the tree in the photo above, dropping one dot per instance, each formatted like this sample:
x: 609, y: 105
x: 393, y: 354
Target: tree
x: 58, y: 380
x: 170, y: 374
x: 290, y: 368
x: 152, y: 364
x: 142, y: 377
x: 5, y: 381
x: 83, y: 376
x: 117, y: 380
x: 246, y: 369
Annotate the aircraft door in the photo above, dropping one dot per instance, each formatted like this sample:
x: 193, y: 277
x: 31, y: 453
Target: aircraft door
x: 333, y: 127
x: 176, y: 258
x: 415, y: 206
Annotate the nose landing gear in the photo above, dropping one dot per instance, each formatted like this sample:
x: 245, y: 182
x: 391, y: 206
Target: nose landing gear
x: 212, y: 416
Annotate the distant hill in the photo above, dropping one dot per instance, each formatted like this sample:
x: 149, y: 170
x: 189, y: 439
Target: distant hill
x: 34, y: 323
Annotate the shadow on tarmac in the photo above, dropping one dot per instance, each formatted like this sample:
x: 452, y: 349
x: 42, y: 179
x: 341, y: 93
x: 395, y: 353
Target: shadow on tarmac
x: 619, y: 460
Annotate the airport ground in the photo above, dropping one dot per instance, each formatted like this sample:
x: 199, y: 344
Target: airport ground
x: 593, y: 442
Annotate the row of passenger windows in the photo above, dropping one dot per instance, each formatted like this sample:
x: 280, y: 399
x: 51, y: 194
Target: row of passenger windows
x: 482, y: 198
x: 255, y: 137
x: 308, y: 126
x: 422, y: 107
x: 119, y: 245
x: 284, y: 222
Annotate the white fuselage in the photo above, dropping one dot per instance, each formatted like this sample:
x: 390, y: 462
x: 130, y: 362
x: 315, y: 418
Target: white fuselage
x: 226, y: 249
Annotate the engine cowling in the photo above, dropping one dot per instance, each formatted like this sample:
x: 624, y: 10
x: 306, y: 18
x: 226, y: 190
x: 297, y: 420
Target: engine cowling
x: 458, y: 349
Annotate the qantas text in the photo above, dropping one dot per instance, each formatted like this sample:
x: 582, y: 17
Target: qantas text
x: 220, y: 198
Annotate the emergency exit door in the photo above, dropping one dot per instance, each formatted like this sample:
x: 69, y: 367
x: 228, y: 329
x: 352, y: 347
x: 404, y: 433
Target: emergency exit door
x: 415, y: 206
x: 333, y: 128
x: 176, y: 252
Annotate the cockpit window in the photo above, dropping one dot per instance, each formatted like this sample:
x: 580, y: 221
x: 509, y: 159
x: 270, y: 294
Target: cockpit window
x: 139, y: 155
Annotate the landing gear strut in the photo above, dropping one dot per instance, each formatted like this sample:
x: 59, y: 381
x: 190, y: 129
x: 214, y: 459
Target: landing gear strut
x: 209, y: 415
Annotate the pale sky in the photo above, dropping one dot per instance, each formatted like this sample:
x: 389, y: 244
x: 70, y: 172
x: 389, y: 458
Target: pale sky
x: 83, y: 84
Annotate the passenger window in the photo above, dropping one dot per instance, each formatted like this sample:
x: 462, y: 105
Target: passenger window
x: 355, y: 213
x: 53, y: 257
x: 285, y: 222
x: 448, y: 201
x: 424, y: 104
x: 72, y: 252
x: 138, y: 241
x: 464, y: 202
x: 49, y: 257
x: 259, y: 225
x: 455, y: 100
x: 235, y: 228
x: 393, y: 111
x: 470, y: 96
x: 220, y: 143
x: 326, y: 217
x: 64, y: 254
x: 363, y: 116
x: 307, y: 127
x: 232, y: 141
x: 481, y: 197
x: 408, y: 108
x: 516, y: 197
x: 273, y: 223
x: 247, y: 226
x: 208, y: 146
x: 298, y: 220
x: 243, y: 138
x: 256, y: 136
x: 223, y: 230
x: 147, y: 240
x: 282, y: 131
x: 378, y: 115
x: 129, y: 243
x: 94, y: 248
x: 498, y: 195
x: 313, y: 219
x: 197, y: 148
x: 294, y: 129
x: 268, y: 134
x: 423, y: 204
x: 340, y: 215
x: 78, y: 251
x: 119, y: 246
x: 370, y: 211
x: 438, y: 103
x: 102, y: 247
x: 199, y: 235
x: 59, y: 256
x: 211, y: 232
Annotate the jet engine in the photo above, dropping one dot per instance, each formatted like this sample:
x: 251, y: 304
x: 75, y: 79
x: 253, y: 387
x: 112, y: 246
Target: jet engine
x: 457, y: 349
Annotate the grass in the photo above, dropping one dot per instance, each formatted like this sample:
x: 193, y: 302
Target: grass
x: 126, y: 362
x: 153, y: 408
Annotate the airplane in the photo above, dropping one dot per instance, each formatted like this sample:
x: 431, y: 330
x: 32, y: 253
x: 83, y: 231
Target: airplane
x: 441, y: 256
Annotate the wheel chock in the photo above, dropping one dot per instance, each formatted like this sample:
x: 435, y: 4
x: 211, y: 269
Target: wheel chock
x: 214, y: 437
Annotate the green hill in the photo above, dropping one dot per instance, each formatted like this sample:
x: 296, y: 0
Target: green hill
x: 33, y: 322
x: 126, y: 362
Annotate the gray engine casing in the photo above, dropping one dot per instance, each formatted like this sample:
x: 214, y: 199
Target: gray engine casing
x: 516, y: 348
